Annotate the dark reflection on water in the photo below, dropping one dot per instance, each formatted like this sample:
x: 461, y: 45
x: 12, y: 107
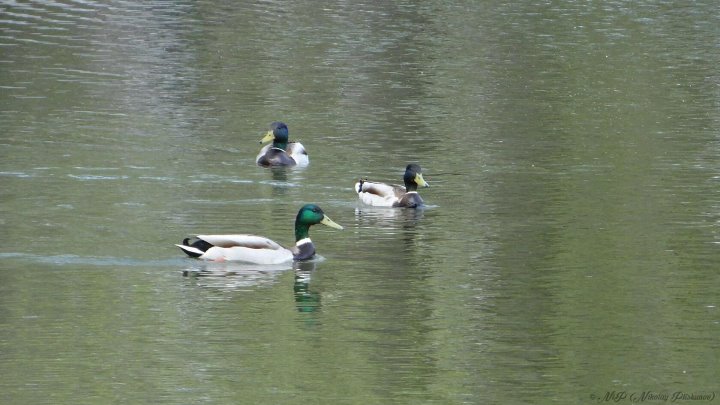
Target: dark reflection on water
x: 568, y: 247
x: 307, y: 298
x: 232, y: 276
x: 388, y: 219
x: 237, y: 274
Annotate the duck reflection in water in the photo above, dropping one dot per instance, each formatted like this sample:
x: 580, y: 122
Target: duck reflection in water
x: 239, y: 276
x: 235, y: 275
x: 306, y: 300
x: 388, y: 218
x: 279, y: 174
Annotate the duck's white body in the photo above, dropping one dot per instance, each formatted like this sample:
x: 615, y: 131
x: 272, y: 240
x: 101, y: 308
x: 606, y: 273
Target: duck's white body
x: 380, y: 194
x: 242, y: 248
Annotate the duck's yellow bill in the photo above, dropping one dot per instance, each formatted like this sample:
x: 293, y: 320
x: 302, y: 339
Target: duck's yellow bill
x: 421, y: 181
x: 268, y: 137
x: 329, y: 222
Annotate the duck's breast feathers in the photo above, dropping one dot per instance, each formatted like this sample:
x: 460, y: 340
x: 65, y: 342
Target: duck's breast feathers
x: 262, y: 153
x: 304, y: 249
x: 275, y: 157
x: 410, y: 200
x: 241, y: 240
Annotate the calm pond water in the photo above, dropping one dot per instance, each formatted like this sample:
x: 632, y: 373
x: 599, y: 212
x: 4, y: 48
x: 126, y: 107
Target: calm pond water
x: 570, y: 248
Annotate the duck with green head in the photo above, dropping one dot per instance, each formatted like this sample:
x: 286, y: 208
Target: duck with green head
x: 259, y: 249
x: 392, y: 195
x: 281, y: 152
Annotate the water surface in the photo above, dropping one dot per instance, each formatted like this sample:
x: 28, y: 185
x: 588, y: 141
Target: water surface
x: 569, y: 247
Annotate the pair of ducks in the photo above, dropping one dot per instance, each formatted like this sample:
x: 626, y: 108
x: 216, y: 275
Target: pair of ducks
x: 262, y: 250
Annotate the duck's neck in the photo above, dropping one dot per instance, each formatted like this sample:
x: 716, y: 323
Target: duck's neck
x: 410, y: 186
x: 302, y: 231
x: 280, y: 145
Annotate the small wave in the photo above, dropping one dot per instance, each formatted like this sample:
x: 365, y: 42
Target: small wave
x: 69, y: 260
x: 16, y: 174
x: 156, y: 178
x: 86, y: 177
x: 249, y: 201
x: 95, y: 168
x: 278, y: 183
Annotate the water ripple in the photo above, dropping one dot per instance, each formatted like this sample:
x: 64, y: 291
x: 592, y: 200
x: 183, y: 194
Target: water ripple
x: 88, y: 177
x: 66, y: 260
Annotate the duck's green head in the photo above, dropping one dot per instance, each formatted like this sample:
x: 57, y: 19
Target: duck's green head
x: 278, y: 134
x: 413, y: 178
x: 308, y: 215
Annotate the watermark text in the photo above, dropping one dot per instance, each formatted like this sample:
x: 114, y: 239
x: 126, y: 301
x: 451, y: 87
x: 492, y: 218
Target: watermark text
x: 637, y: 397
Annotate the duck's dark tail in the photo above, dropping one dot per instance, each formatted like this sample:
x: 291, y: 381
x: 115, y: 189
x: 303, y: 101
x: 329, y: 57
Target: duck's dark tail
x: 196, y: 249
x: 360, y: 184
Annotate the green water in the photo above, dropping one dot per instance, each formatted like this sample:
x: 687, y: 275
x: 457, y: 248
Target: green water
x: 570, y: 247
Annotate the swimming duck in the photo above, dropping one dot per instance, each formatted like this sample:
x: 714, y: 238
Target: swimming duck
x: 258, y: 249
x: 386, y: 195
x: 281, y: 152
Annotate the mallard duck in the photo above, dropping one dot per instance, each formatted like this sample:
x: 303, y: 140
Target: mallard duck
x: 386, y: 195
x: 258, y: 249
x: 281, y: 152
